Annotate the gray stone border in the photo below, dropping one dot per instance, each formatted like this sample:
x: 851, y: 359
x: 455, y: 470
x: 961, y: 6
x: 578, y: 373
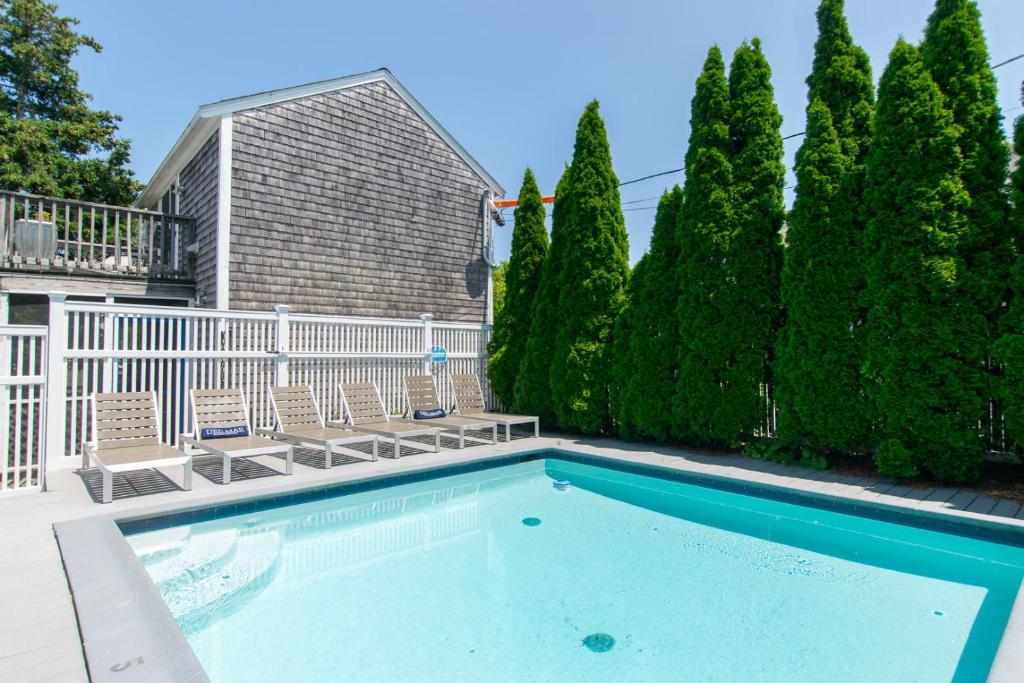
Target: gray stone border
x: 129, y: 634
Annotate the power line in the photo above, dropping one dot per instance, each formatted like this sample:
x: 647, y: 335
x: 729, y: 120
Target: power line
x: 1011, y: 59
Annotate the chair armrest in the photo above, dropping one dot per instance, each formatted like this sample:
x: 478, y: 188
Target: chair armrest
x: 263, y: 431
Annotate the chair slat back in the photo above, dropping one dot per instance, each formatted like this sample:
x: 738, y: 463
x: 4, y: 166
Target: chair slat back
x: 468, y: 394
x: 420, y: 393
x: 218, y: 408
x: 362, y: 403
x: 295, y: 407
x: 125, y: 420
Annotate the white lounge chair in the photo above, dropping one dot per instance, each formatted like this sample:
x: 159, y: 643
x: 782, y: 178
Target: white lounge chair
x: 126, y: 437
x: 299, y: 421
x: 468, y: 399
x: 421, y: 395
x: 224, y: 411
x: 364, y: 412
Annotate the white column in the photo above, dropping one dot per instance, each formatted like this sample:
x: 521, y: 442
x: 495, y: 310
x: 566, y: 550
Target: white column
x: 428, y: 340
x: 5, y: 369
x: 108, y: 347
x: 283, y: 344
x: 56, y: 382
x: 223, y: 293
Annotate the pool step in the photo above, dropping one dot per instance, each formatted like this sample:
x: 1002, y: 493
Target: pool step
x: 154, y: 546
x: 201, y: 556
x: 251, y: 568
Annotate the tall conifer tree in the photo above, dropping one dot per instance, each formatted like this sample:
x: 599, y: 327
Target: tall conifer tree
x: 592, y: 283
x: 646, y: 339
x: 955, y: 53
x: 923, y: 348
x: 820, y: 349
x: 754, y: 264
x: 701, y: 411
x: 532, y: 388
x: 511, y: 324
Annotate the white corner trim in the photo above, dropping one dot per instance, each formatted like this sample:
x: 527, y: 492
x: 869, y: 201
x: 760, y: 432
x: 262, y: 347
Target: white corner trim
x: 224, y: 211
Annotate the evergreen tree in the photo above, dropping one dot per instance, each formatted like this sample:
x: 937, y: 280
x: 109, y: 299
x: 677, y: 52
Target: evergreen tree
x: 754, y: 265
x: 1009, y: 350
x: 820, y: 349
x: 591, y: 283
x: 701, y: 410
x: 955, y: 53
x: 50, y: 141
x: 923, y: 348
x: 532, y: 388
x: 645, y: 351
x: 511, y: 323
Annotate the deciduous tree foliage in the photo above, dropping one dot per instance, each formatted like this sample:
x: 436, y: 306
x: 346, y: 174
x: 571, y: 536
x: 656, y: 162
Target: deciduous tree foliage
x: 1009, y: 350
x: 924, y: 348
x: 820, y: 349
x: 701, y: 409
x: 51, y: 142
x: 955, y: 53
x: 753, y: 266
x: 647, y: 336
x: 591, y: 283
x: 532, y: 389
x: 512, y: 322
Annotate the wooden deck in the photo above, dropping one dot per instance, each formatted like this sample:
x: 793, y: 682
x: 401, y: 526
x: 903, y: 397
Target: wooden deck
x: 39, y: 637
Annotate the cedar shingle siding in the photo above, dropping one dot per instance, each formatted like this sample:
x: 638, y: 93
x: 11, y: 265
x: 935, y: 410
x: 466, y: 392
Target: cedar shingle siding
x: 198, y: 199
x: 347, y: 203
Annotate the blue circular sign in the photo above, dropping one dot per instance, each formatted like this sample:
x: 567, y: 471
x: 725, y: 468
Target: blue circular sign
x: 438, y: 354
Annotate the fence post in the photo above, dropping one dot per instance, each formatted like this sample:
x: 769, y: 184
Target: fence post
x: 428, y: 340
x: 283, y: 344
x: 56, y: 382
x: 5, y: 397
x: 108, y: 347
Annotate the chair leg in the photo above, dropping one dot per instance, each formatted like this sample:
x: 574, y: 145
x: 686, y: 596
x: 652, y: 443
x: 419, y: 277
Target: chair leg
x: 494, y: 434
x: 437, y: 441
x: 376, y: 442
x: 398, y: 448
x: 227, y: 470
x: 186, y: 479
x: 462, y: 437
x: 108, y: 486
x: 288, y: 461
x: 508, y: 431
x: 327, y: 456
x: 536, y: 428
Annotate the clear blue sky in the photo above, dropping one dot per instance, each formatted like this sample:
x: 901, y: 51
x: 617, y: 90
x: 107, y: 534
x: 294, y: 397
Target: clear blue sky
x: 509, y: 80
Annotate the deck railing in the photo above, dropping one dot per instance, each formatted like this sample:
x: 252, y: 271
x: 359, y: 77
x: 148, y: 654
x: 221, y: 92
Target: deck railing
x: 49, y: 234
x: 23, y: 358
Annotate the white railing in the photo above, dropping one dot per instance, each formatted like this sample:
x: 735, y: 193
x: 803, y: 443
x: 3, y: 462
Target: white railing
x: 114, y: 347
x: 23, y: 355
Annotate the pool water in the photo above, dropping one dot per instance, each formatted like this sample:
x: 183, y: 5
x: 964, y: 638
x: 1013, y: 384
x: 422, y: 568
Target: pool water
x: 496, y: 575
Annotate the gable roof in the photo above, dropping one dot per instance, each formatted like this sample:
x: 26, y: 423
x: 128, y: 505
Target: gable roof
x: 207, y: 119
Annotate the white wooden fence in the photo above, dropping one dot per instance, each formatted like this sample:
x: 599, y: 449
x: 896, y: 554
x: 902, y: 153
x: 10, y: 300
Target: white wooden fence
x: 23, y: 354
x: 114, y: 347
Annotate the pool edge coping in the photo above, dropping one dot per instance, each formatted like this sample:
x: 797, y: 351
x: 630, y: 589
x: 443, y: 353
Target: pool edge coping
x: 151, y: 628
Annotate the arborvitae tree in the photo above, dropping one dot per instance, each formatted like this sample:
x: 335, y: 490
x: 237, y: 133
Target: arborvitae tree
x: 1009, y: 350
x: 820, y: 349
x: 512, y: 322
x: 924, y: 346
x: 532, y: 389
x: 591, y: 284
x: 955, y: 53
x: 701, y: 409
x: 645, y: 351
x: 754, y: 265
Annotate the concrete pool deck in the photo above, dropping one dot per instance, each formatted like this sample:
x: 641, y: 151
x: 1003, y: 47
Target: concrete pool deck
x: 39, y: 633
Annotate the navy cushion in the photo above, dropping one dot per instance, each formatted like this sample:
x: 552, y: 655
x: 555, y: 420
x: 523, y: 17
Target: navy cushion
x: 223, y: 432
x: 428, y: 414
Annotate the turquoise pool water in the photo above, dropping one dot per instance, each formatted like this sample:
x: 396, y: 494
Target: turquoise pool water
x: 497, y: 576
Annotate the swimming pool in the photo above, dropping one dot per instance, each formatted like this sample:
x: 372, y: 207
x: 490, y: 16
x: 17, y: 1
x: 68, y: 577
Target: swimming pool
x: 496, y: 575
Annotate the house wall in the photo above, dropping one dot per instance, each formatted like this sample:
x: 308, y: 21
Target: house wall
x: 347, y: 203
x: 197, y: 190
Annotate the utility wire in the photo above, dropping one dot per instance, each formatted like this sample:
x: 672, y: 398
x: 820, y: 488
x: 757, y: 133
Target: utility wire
x: 1011, y: 59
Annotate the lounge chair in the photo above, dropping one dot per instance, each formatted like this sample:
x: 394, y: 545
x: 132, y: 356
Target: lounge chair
x: 299, y: 421
x: 365, y: 412
x: 126, y: 436
x: 468, y: 397
x: 222, y: 427
x: 421, y: 395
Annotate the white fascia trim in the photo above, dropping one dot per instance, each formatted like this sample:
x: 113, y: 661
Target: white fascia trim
x: 204, y: 122
x: 224, y: 211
